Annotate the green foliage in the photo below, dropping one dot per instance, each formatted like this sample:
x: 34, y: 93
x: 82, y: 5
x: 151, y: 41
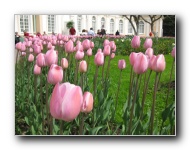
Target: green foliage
x: 69, y: 24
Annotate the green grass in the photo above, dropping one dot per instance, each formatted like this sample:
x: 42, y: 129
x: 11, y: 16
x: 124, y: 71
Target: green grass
x: 124, y: 88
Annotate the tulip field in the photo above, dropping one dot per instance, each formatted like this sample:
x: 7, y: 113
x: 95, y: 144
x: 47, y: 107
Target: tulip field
x: 82, y: 85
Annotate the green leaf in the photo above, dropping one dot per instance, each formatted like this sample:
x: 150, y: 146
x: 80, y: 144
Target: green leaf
x: 96, y: 130
x: 33, y: 130
x: 26, y: 119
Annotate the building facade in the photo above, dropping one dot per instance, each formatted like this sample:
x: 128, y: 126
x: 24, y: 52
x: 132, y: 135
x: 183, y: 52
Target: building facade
x: 57, y: 24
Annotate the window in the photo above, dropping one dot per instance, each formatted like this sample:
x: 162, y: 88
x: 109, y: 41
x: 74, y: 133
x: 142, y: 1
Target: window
x: 94, y: 23
x: 121, y: 26
x: 102, y: 22
x: 24, y: 23
x: 111, y: 26
x: 79, y: 19
x: 51, y: 23
x: 129, y: 28
x: 141, y: 27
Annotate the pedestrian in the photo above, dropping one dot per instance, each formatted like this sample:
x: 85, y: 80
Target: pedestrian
x: 17, y: 38
x: 72, y: 31
x: 117, y: 32
x: 91, y: 32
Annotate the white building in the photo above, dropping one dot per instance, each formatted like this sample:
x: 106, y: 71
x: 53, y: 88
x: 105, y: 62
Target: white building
x: 57, y: 24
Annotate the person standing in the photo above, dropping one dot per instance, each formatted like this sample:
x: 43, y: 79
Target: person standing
x: 17, y: 38
x: 72, y: 31
x: 117, y: 32
x: 91, y: 32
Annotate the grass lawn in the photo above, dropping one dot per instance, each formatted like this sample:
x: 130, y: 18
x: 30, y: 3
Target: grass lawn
x: 124, y: 88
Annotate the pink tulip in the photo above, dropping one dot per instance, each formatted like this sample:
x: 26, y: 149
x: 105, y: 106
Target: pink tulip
x: 87, y: 105
x: 65, y: 38
x: 79, y: 47
x: 159, y: 63
x: 121, y: 64
x: 83, y: 66
x: 49, y: 45
x: 107, y: 50
x: 106, y: 42
x: 173, y: 52
x: 141, y: 64
x: 51, y: 57
x: 59, y: 36
x: 55, y: 74
x: 18, y: 45
x: 37, y: 49
x: 37, y: 69
x: 99, y: 50
x: 132, y: 58
x: 64, y: 63
x: 112, y: 45
x: 91, y: 44
x: 40, y: 60
x: 148, y: 43
x: 89, y: 52
x: 151, y: 62
x: 79, y: 55
x: 99, y: 59
x: 149, y: 52
x: 112, y: 55
x: 135, y: 42
x: 23, y: 53
x: 30, y: 50
x: 69, y: 46
x: 66, y: 101
x: 86, y: 44
x: 31, y: 58
x: 23, y: 47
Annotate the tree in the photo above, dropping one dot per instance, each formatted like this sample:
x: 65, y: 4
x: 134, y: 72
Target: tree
x: 134, y: 20
x: 153, y: 19
x: 169, y: 25
x: 70, y: 24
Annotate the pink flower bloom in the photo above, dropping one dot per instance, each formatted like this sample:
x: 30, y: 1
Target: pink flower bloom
x: 23, y: 47
x: 132, y: 58
x: 159, y: 63
x: 141, y: 64
x: 66, y: 101
x: 51, y: 57
x: 112, y: 55
x: 37, y: 49
x: 148, y: 43
x: 79, y: 55
x: 31, y: 50
x: 89, y: 52
x: 49, y: 45
x: 151, y: 62
x: 31, y: 58
x: 88, y: 101
x: 40, y: 60
x: 121, y: 64
x: 83, y: 66
x: 91, y: 44
x: 37, y: 69
x: 173, y: 52
x: 86, y: 44
x: 64, y: 63
x: 18, y: 45
x: 69, y: 46
x: 135, y: 42
x: 99, y: 59
x: 55, y: 74
x: 149, y: 52
x: 107, y: 50
x: 106, y: 42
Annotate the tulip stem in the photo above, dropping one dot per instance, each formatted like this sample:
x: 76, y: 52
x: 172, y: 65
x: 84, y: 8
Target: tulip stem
x: 81, y: 124
x: 169, y: 83
x: 76, y: 72
x: 153, y: 104
x: 103, y: 70
x: 42, y: 107
x: 35, y: 88
x: 130, y: 86
x: 47, y: 106
x: 108, y: 66
x: 133, y: 104
x: 119, y: 83
x: 144, y: 93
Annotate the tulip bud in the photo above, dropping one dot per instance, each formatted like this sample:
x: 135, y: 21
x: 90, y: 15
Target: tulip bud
x: 82, y: 66
x: 141, y: 64
x: 87, y: 105
x: 64, y: 63
x: 99, y: 59
x: 121, y: 64
x: 135, y: 43
x: 37, y: 69
x: 148, y: 43
x: 31, y: 58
